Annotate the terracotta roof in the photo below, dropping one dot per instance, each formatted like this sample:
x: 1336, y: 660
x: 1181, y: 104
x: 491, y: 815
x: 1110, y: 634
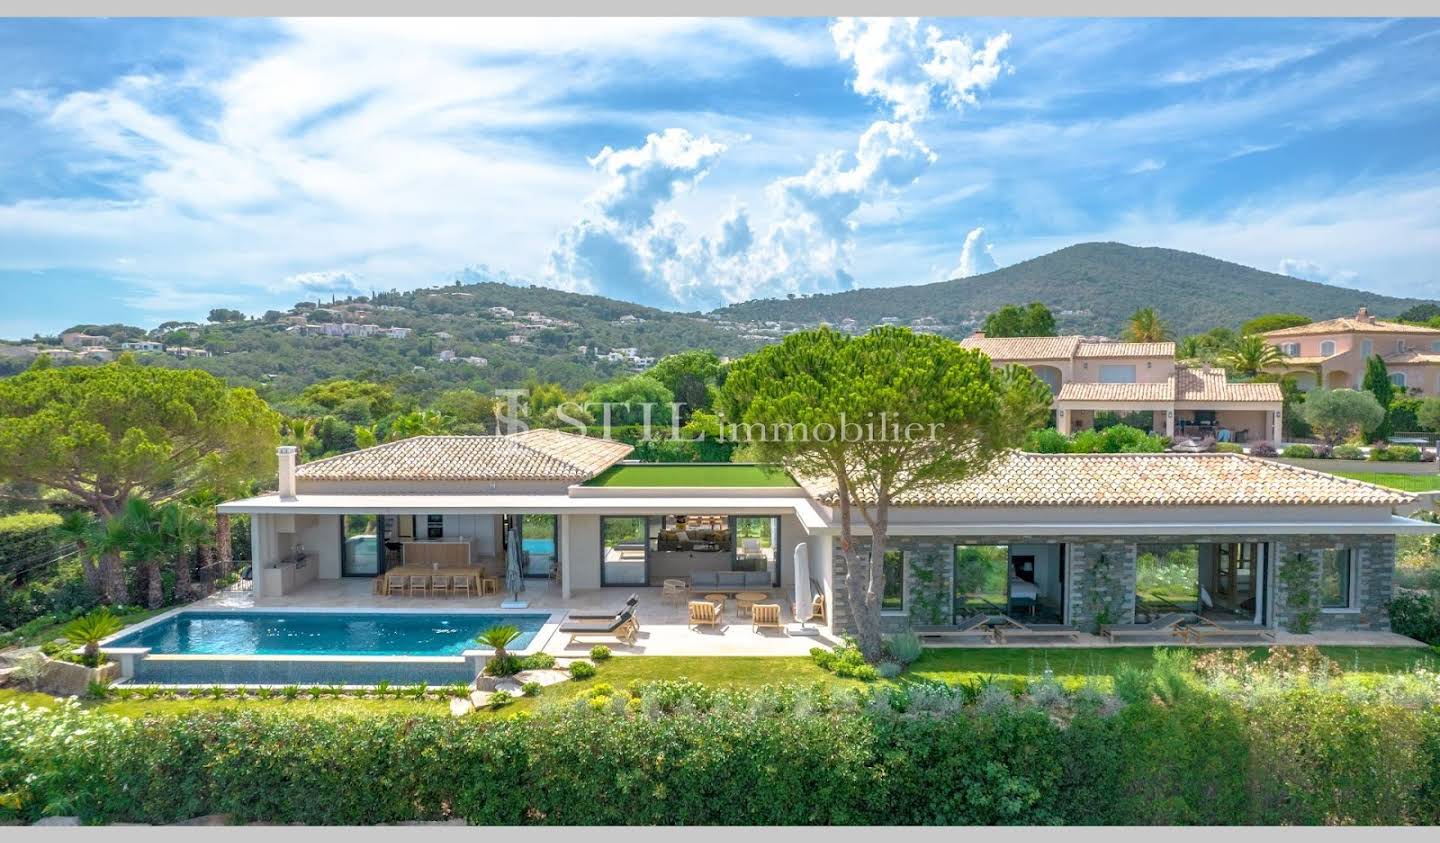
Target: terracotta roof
x: 1412, y: 356
x: 1023, y: 348
x: 1184, y: 385
x: 1163, y: 391
x: 1125, y: 349
x: 1213, y: 385
x: 1345, y: 324
x: 1022, y: 479
x: 532, y: 455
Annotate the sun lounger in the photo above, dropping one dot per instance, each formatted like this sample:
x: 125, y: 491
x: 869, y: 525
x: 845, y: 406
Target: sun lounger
x: 1161, y: 626
x: 974, y: 627
x: 1204, y: 629
x: 623, y: 627
x: 1015, y: 629
x: 630, y: 603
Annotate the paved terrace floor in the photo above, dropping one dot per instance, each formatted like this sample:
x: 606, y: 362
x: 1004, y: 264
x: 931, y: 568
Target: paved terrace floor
x: 664, y: 628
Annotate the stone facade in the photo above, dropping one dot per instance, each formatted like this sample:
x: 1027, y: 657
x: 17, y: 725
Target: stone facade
x: 1101, y: 574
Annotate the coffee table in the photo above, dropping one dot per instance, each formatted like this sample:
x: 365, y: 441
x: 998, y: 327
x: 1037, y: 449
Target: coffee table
x: 745, y: 599
x: 717, y: 598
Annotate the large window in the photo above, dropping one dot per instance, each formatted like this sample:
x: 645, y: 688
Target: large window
x: 982, y: 579
x: 1117, y: 373
x: 1367, y: 348
x: 359, y: 545
x: 757, y: 545
x: 1167, y: 580
x: 540, y: 541
x: 893, y: 600
x: 1337, y: 578
x: 622, y: 551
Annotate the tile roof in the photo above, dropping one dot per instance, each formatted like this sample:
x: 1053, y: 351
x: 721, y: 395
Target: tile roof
x: 1412, y: 356
x: 1125, y: 349
x: 1022, y: 479
x: 1185, y: 385
x: 1345, y: 324
x: 532, y: 455
x: 1023, y: 348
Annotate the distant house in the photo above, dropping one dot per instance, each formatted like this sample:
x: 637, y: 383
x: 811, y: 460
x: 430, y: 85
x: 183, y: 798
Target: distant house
x: 479, y: 362
x: 629, y: 319
x: 1089, y: 377
x: 443, y: 335
x: 97, y: 352
x: 445, y: 356
x: 517, y: 339
x: 396, y: 333
x: 76, y: 339
x: 502, y: 312
x: 185, y: 351
x: 1333, y: 353
x: 143, y: 345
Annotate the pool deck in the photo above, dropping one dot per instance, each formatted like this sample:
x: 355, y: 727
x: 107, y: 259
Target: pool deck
x: 664, y: 627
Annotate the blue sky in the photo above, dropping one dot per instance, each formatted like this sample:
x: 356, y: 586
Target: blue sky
x: 154, y: 169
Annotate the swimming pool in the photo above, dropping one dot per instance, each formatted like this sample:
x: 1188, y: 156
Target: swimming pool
x: 324, y: 633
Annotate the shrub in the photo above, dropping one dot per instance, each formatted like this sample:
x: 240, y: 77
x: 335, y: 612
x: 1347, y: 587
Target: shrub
x: 1347, y: 452
x: 581, y: 670
x: 1047, y: 441
x: 539, y: 660
x: 846, y: 661
x: 500, y: 699
x: 1229, y: 448
x: 889, y: 670
x: 1298, y: 452
x: 506, y: 665
x: 90, y: 630
x: 531, y: 688
x: 904, y: 647
x: 1263, y: 449
x: 599, y: 653
x: 1395, y: 453
x: 1417, y: 616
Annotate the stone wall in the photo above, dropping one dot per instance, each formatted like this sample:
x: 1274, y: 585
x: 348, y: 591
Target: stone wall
x: 1101, y: 577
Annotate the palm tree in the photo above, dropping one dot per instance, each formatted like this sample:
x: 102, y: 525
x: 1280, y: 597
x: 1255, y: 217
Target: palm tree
x: 498, y: 638
x: 145, y: 543
x: 110, y: 543
x: 89, y: 630
x: 1250, y: 355
x: 80, y: 528
x: 416, y: 423
x: 1146, y: 326
x: 183, y: 531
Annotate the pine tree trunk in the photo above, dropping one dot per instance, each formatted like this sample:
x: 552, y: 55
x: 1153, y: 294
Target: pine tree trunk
x: 222, y: 545
x: 155, y: 593
x: 112, y: 576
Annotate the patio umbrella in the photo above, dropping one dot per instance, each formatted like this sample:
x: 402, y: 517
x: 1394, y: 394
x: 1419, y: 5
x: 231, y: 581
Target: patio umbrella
x: 803, y: 597
x: 514, y: 580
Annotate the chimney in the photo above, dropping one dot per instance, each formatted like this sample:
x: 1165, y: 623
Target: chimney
x: 287, y: 471
x: 979, y: 335
x: 1364, y: 315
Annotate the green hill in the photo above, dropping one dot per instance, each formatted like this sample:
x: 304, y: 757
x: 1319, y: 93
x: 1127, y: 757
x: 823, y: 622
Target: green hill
x: 1092, y: 288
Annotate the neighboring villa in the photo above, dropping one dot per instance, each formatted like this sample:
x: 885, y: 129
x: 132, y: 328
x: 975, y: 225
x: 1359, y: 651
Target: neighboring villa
x: 1333, y: 353
x: 142, y: 346
x: 1043, y: 538
x: 1089, y: 377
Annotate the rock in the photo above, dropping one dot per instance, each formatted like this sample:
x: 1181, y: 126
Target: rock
x: 58, y: 821
x: 459, y: 707
x: 208, y: 819
x: 509, y: 686
x: 479, y: 699
x: 488, y: 683
x: 5, y: 675
x: 67, y: 679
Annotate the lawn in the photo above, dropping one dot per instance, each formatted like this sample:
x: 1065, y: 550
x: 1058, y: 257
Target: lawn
x: 962, y: 664
x: 40, y: 630
x: 698, y: 476
x: 1403, y: 482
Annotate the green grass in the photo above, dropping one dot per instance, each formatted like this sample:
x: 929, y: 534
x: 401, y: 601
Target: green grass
x: 700, y: 475
x: 40, y: 631
x: 962, y: 664
x: 1403, y: 482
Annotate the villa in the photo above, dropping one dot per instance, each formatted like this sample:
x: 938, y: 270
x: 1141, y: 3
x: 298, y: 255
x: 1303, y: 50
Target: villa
x: 1333, y: 353
x: 1089, y: 377
x: 1044, y: 543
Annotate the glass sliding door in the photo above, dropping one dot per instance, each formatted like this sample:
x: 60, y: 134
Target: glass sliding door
x: 757, y: 546
x: 1167, y: 580
x: 540, y: 541
x: 623, y: 556
x: 982, y: 580
x: 360, y: 538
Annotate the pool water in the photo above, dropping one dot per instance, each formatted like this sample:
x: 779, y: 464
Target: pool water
x: 325, y: 633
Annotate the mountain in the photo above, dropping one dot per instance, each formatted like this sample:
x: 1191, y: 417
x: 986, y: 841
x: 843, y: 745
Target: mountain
x: 1092, y: 288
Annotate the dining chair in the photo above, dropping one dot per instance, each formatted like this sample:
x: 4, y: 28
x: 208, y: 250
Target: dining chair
x: 461, y: 582
x: 440, y: 584
x: 419, y: 581
x: 395, y: 584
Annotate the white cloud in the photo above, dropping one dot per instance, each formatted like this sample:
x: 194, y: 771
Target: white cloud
x: 895, y: 64
x: 1147, y: 165
x: 976, y: 256
x: 323, y: 283
x: 1312, y: 271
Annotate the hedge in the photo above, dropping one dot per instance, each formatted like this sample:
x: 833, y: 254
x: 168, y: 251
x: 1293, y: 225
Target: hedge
x: 683, y: 754
x: 27, y: 539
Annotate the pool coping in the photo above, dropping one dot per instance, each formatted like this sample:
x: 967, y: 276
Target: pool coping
x: 128, y: 656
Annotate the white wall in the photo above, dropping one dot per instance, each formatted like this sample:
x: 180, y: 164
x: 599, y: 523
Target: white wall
x: 482, y: 530
x: 321, y: 536
x: 580, y: 543
x: 1047, y: 569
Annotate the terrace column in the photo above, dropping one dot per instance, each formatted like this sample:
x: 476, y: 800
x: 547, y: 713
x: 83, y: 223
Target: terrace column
x: 1277, y: 427
x: 1170, y: 422
x: 562, y: 527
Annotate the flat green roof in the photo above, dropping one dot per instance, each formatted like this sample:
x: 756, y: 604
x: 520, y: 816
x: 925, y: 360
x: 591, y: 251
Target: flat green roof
x: 697, y: 475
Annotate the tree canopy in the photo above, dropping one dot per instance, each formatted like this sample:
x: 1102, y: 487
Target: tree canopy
x: 105, y: 433
x: 1249, y: 355
x: 1273, y: 322
x: 1145, y: 325
x: 1421, y: 313
x: 1032, y: 320
x: 1377, y: 383
x: 959, y: 414
x: 627, y: 399
x: 1336, y: 414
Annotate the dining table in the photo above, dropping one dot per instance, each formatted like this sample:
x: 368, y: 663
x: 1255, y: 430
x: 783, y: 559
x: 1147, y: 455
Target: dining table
x: 476, y: 574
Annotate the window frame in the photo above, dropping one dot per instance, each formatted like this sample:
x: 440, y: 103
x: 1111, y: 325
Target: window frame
x: 1367, y: 349
x: 1327, y: 344
x: 904, y: 608
x: 1398, y: 379
x: 1352, y: 596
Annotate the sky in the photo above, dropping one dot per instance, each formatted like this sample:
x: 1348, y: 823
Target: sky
x: 154, y: 169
